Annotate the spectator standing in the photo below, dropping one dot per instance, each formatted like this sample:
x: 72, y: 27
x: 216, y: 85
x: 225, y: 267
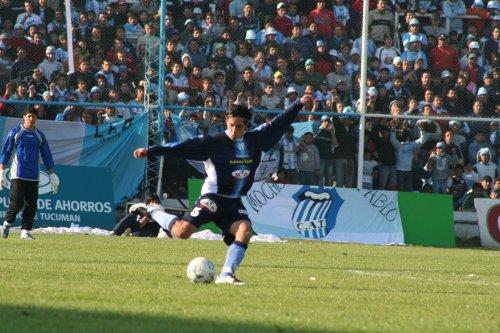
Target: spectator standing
x: 477, y: 192
x: 269, y: 100
x: 133, y: 29
x: 435, y: 28
x: 22, y: 66
x: 439, y: 165
x: 324, y: 18
x: 281, y: 21
x: 308, y: 160
x: 344, y: 154
x: 28, y: 17
x: 50, y: 64
x: 381, y: 21
x: 458, y: 187
x: 484, y: 166
x: 341, y: 12
x: 491, y: 45
x: 405, y: 154
x: 453, y: 9
x: 304, y: 45
x: 415, y: 31
x: 326, y: 142
x: 443, y: 57
x: 248, y: 21
x: 290, y: 148
x: 236, y: 7
x: 27, y: 143
x: 385, y: 153
x: 387, y: 52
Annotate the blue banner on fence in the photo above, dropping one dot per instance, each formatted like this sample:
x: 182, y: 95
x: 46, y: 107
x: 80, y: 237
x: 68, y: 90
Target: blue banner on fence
x: 84, y: 197
x: 108, y: 146
x: 185, y: 129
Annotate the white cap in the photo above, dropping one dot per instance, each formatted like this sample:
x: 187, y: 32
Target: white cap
x: 354, y: 50
x: 291, y: 90
x: 473, y: 45
x: 414, y: 21
x: 445, y: 73
x: 197, y: 10
x: 372, y: 91
x: 281, y: 4
x: 482, y: 91
x: 478, y: 4
x: 396, y: 60
x: 250, y: 35
x: 182, y: 97
x: 333, y: 52
x: 271, y: 31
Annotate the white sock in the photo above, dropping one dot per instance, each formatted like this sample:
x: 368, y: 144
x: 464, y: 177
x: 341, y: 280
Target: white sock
x: 6, y: 224
x: 165, y: 220
x: 24, y: 232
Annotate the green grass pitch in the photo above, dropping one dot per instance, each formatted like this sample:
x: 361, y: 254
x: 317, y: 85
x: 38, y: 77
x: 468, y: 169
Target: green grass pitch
x: 78, y: 283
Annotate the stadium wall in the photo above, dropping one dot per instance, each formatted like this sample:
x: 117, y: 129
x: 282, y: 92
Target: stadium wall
x: 424, y: 219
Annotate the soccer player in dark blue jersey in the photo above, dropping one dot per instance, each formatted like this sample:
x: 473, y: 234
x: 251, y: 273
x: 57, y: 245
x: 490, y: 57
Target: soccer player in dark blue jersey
x: 230, y: 160
x: 24, y: 145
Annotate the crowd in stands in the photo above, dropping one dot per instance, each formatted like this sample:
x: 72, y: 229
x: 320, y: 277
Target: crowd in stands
x: 273, y: 52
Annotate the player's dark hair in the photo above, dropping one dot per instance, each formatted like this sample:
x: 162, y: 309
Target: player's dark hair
x: 29, y: 109
x: 152, y: 198
x: 240, y: 111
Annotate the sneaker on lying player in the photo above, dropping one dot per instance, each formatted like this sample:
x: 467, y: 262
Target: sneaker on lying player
x: 138, y: 208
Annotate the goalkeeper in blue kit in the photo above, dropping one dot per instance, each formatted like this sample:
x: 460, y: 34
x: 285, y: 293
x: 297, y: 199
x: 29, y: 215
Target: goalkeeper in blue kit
x: 24, y: 145
x: 230, y: 159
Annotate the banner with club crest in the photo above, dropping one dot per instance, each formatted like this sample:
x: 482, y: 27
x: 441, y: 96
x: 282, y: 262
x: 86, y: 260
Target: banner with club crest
x: 325, y: 213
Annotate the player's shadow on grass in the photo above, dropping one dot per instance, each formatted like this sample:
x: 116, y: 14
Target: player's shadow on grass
x: 39, y: 319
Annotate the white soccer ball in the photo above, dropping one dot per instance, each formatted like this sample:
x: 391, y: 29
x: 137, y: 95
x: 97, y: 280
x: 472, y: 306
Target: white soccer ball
x: 201, y: 270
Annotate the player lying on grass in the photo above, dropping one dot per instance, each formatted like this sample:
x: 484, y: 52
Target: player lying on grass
x: 230, y: 160
x: 138, y: 222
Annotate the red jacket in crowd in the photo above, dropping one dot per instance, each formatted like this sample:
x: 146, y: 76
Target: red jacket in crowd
x: 441, y: 58
x: 283, y: 25
x: 325, y: 20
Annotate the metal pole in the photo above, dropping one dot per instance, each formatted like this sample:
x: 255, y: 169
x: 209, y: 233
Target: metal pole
x: 362, y: 92
x: 69, y: 37
x: 161, y: 87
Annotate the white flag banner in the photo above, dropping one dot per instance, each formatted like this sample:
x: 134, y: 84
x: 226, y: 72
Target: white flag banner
x: 325, y: 213
x: 488, y: 219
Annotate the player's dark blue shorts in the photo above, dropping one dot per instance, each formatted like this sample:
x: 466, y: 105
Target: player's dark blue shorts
x: 221, y: 210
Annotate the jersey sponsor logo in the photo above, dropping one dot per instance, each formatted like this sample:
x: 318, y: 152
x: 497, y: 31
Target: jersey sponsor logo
x: 243, y: 211
x: 195, y: 212
x: 243, y: 161
x: 209, y: 204
x: 240, y: 174
x: 316, y: 212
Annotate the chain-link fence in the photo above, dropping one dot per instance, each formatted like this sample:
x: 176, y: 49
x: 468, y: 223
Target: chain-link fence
x: 424, y: 59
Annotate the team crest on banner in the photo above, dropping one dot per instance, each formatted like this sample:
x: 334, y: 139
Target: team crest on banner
x: 316, y: 212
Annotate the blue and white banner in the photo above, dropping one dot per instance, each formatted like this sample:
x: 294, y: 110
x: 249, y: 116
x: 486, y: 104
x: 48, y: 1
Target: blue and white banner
x: 84, y: 196
x: 108, y: 146
x: 325, y: 213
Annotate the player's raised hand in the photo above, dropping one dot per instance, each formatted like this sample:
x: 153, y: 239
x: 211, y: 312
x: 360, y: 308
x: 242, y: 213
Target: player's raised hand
x: 141, y: 153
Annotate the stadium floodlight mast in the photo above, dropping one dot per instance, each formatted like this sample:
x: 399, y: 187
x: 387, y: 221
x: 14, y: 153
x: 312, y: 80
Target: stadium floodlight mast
x: 362, y: 92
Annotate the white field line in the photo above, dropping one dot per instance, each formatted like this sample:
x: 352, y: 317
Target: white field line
x: 467, y: 279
